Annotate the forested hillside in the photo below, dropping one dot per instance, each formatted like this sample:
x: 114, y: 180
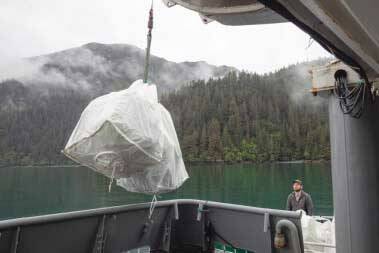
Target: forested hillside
x: 242, y: 116
x: 249, y: 117
x: 36, y: 123
x: 41, y: 98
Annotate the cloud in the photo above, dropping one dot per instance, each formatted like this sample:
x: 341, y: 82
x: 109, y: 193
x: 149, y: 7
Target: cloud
x: 18, y: 69
x: 30, y: 28
x: 63, y: 69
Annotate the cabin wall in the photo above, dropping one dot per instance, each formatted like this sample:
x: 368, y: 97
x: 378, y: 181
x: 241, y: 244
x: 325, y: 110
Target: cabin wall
x: 355, y: 174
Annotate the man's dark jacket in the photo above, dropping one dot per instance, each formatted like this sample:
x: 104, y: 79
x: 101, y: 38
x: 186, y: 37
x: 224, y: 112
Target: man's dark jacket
x: 305, y: 203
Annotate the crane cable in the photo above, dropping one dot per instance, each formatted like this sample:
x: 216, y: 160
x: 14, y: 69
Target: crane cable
x: 149, y: 37
x: 150, y: 25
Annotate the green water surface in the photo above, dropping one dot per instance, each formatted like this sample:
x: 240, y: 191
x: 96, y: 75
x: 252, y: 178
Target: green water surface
x: 28, y: 191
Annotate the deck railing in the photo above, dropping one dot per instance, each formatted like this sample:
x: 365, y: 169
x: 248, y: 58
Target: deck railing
x: 175, y: 226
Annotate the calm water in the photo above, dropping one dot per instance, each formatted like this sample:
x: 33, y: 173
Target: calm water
x: 27, y: 191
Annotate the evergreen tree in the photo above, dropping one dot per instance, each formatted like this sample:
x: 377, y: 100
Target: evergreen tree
x: 214, y: 141
x: 234, y: 122
x: 203, y: 144
x: 226, y: 139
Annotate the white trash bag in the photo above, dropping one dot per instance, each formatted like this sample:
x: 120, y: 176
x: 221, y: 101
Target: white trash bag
x: 317, y: 232
x: 128, y: 135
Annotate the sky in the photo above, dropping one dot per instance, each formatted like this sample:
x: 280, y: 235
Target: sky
x: 35, y: 27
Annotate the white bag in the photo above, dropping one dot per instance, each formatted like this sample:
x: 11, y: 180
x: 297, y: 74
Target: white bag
x: 130, y: 136
x: 317, y: 232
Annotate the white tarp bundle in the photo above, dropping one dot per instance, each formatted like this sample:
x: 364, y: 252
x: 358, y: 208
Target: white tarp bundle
x: 317, y: 232
x: 128, y: 135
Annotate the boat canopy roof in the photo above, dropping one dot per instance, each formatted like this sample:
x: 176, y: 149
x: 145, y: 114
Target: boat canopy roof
x: 346, y: 28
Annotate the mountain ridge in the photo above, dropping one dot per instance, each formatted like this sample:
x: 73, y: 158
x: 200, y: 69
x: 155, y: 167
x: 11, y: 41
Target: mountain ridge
x: 109, y: 67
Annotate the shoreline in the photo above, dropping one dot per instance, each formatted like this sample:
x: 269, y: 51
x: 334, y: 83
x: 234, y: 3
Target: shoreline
x: 318, y: 161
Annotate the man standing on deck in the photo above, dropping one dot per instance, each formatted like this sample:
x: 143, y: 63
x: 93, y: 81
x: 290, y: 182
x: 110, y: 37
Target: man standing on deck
x: 299, y: 199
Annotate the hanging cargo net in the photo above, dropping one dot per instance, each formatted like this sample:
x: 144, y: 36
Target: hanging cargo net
x: 129, y: 136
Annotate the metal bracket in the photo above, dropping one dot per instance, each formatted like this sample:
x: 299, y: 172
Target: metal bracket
x: 266, y: 223
x: 206, y: 19
x: 16, y: 240
x: 169, y: 3
x: 200, y: 210
x: 208, y: 237
x: 166, y: 239
x: 98, y: 246
x: 176, y: 211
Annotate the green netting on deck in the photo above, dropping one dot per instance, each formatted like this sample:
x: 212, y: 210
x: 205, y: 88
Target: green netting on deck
x: 221, y: 248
